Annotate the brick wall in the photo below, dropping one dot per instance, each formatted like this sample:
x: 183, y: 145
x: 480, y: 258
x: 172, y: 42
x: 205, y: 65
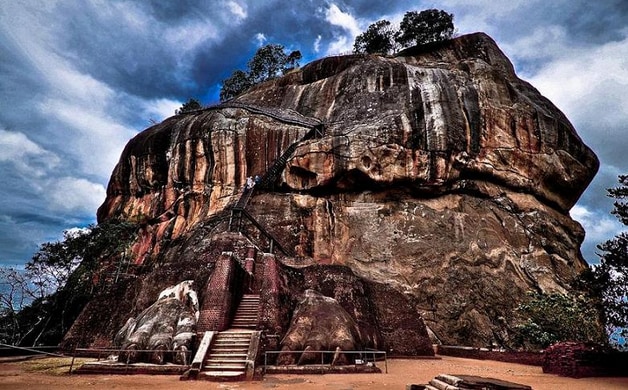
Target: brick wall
x: 222, y: 294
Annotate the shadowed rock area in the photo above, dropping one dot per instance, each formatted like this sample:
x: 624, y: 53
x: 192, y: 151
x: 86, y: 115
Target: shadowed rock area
x: 437, y: 177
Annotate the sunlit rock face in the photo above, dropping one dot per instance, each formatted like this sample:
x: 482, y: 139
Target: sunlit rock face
x: 440, y: 173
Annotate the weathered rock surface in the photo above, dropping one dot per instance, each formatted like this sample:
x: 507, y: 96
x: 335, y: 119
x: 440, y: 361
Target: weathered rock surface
x: 440, y: 174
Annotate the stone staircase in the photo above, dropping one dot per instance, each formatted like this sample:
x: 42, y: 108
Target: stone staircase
x: 247, y: 314
x: 230, y: 355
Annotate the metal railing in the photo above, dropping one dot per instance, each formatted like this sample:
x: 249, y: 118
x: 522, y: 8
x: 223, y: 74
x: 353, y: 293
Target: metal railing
x: 106, y: 352
x: 363, y: 357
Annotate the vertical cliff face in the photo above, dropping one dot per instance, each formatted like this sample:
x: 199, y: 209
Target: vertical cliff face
x: 439, y: 173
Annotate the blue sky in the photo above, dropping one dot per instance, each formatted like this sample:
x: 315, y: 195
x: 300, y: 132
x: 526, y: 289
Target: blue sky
x: 78, y: 79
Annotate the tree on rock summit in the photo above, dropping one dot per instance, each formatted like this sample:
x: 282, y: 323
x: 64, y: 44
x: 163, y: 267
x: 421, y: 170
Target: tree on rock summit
x: 269, y: 61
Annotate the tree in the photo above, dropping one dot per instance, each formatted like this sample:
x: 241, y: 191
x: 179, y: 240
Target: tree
x: 378, y: 38
x: 38, y: 305
x: 610, y: 277
x: 550, y: 318
x: 269, y: 61
x: 427, y: 26
x: 292, y: 61
x: 190, y: 105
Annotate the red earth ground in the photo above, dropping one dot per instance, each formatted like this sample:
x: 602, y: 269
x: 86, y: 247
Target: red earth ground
x: 31, y: 375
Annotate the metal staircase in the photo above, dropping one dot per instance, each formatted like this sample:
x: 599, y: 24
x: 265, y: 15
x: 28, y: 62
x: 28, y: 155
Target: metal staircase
x: 238, y: 211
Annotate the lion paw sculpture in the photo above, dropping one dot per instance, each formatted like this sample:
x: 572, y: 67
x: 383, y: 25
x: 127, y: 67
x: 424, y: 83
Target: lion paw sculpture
x: 164, y: 331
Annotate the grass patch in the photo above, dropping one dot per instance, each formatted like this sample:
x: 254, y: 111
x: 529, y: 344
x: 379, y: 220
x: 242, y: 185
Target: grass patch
x: 53, y: 365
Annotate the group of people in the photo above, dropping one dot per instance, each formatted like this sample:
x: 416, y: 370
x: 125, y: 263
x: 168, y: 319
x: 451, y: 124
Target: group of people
x: 252, y: 181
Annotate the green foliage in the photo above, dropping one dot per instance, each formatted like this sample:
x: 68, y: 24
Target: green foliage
x: 427, y: 26
x: 609, y: 279
x: 39, y: 304
x: 550, y: 318
x: 378, y: 38
x: 237, y: 83
x: 269, y: 61
x: 416, y: 28
x: 190, y: 105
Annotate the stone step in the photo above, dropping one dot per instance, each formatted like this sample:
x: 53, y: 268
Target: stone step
x: 231, y: 343
x: 224, y: 367
x: 232, y: 356
x: 238, y: 340
x: 449, y: 379
x: 226, y: 347
x: 222, y: 375
x: 230, y: 348
x: 440, y: 385
x: 234, y: 336
x: 211, y: 362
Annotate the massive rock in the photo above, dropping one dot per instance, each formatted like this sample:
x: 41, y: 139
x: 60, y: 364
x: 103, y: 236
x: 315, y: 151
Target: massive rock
x: 439, y: 173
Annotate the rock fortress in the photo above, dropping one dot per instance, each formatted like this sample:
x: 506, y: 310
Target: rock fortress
x: 391, y: 203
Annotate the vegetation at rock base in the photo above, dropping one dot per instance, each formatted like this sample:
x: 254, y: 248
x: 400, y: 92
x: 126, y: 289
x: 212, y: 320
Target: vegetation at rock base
x: 39, y: 304
x: 269, y: 61
x: 190, y: 105
x: 416, y: 28
x: 555, y: 317
x: 608, y: 281
x: 551, y: 318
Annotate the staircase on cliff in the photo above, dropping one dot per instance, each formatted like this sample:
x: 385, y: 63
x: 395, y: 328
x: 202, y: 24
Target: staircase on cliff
x: 317, y: 130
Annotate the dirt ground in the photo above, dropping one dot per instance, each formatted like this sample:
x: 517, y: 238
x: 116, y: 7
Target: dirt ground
x: 51, y: 373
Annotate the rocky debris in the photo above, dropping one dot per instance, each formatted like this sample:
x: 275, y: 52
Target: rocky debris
x: 440, y: 174
x: 467, y: 382
x: 167, y: 325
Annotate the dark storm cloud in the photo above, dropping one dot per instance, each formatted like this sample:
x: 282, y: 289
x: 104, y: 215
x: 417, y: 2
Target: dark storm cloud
x: 80, y: 78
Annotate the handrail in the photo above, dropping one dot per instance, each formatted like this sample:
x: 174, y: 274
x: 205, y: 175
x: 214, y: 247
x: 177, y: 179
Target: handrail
x: 268, y: 235
x: 317, y: 130
x: 323, y: 352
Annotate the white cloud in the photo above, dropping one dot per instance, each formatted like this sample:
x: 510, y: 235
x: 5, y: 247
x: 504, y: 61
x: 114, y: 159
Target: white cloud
x: 598, y: 227
x: 25, y: 155
x: 260, y: 39
x: 188, y: 37
x: 342, y: 43
x: 575, y: 78
x: 160, y: 109
x: 93, y: 136
x: 75, y: 194
x: 237, y: 9
x: 336, y: 17
x: 317, y: 44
